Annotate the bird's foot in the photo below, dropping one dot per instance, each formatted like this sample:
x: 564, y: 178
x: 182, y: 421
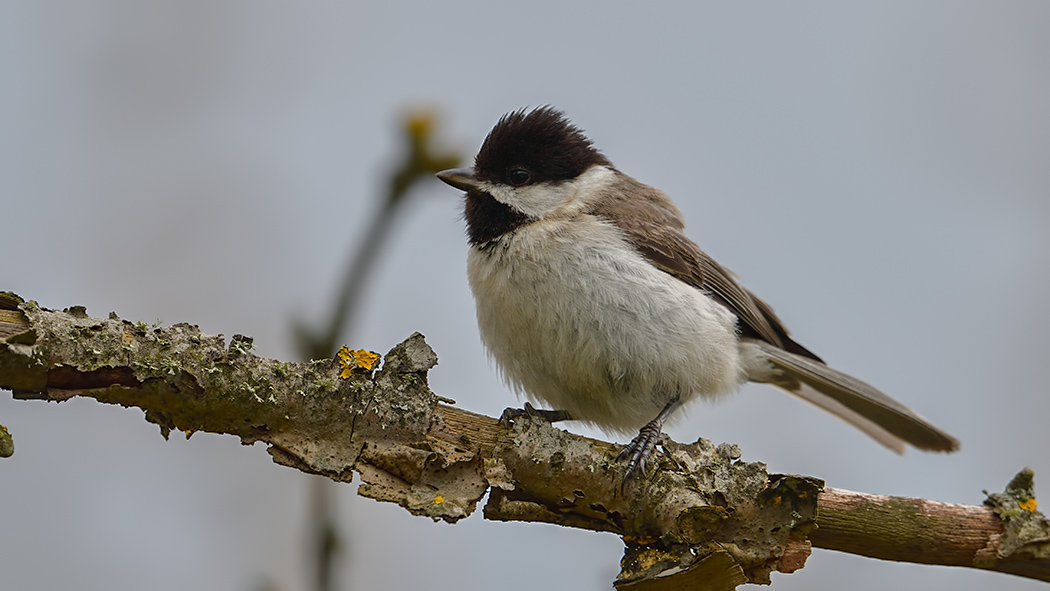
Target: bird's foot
x: 511, y: 414
x: 638, y: 451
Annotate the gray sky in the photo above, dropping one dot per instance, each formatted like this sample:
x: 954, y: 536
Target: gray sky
x: 878, y: 172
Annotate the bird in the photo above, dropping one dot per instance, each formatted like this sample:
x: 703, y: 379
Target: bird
x: 591, y: 299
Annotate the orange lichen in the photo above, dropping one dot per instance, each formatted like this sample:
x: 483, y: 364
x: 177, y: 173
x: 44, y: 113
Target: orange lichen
x: 349, y: 360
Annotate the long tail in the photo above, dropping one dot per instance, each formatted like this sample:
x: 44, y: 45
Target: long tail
x: 883, y: 418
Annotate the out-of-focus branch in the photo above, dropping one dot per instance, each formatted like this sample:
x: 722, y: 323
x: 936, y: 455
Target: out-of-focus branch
x: 419, y: 161
x: 703, y: 520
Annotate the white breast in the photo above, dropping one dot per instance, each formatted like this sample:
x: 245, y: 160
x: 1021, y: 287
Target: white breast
x: 578, y: 320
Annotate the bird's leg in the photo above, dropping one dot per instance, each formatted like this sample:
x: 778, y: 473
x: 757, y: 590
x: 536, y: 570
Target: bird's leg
x: 551, y: 416
x: 642, y: 446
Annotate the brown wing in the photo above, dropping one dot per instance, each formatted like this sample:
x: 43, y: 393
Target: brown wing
x: 653, y: 225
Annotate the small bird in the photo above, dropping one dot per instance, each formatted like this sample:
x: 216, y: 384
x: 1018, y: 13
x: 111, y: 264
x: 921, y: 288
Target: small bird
x: 591, y: 299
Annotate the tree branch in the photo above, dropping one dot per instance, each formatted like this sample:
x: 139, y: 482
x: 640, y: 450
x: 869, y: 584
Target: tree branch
x: 703, y: 520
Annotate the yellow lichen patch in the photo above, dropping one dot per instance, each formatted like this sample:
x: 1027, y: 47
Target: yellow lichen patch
x: 439, y: 499
x: 1028, y: 505
x: 7, y: 445
x: 349, y: 360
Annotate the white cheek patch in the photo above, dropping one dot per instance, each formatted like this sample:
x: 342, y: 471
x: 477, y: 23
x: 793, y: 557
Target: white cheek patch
x: 541, y: 200
x: 533, y: 200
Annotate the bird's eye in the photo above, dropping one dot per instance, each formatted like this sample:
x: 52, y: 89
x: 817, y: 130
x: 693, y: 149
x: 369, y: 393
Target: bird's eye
x: 518, y: 176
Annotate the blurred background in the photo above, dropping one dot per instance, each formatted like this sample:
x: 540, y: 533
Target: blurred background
x: 878, y: 172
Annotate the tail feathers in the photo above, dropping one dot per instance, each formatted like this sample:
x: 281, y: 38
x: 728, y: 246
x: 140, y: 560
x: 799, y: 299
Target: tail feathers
x: 881, y: 417
x: 847, y: 414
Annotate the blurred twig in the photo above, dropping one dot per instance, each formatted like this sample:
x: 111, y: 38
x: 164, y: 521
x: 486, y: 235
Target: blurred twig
x: 418, y: 161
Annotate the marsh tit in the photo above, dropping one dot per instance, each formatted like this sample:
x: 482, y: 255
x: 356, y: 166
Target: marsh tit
x: 591, y: 298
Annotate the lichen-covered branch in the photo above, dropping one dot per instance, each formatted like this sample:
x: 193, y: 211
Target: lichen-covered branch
x: 703, y: 520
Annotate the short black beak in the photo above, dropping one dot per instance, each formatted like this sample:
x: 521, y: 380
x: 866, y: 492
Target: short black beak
x: 460, y: 178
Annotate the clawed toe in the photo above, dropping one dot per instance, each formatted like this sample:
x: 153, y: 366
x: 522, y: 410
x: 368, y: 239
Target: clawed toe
x: 642, y: 446
x: 510, y: 415
x: 638, y: 451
